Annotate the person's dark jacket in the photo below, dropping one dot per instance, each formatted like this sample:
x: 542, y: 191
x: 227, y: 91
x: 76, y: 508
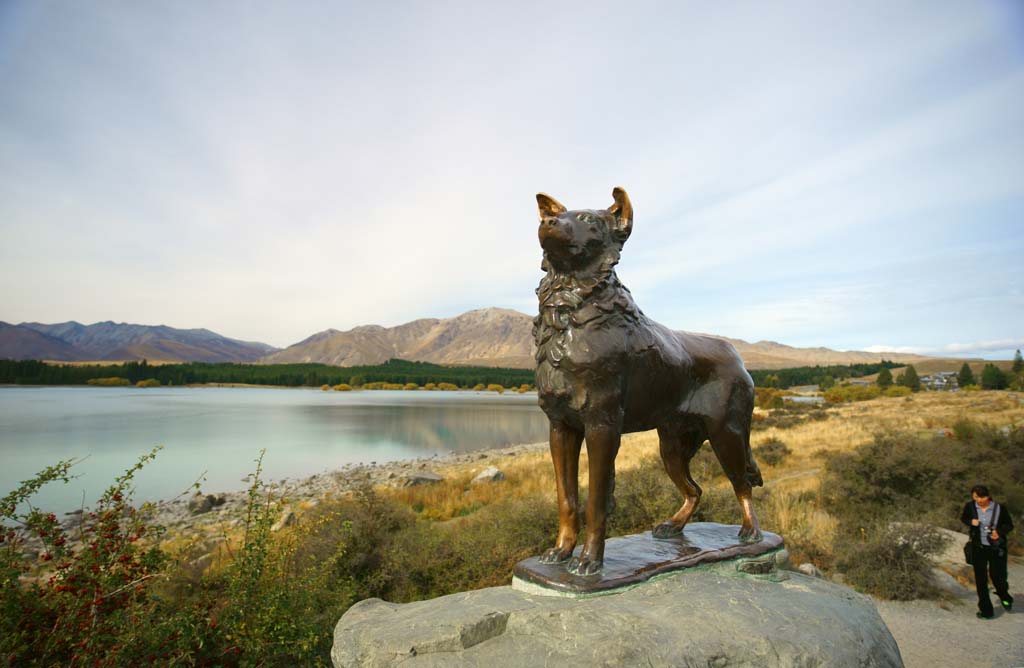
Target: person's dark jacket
x: 1004, y: 524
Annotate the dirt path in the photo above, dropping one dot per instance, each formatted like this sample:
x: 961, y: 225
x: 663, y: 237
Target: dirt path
x: 932, y: 635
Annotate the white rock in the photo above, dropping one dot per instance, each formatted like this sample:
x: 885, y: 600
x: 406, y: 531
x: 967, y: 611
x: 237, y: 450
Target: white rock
x: 422, y: 478
x: 489, y: 474
x: 286, y: 520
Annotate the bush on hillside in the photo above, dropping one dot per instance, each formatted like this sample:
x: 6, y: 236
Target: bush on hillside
x: 769, y: 397
x: 772, y: 452
x: 848, y: 393
x: 112, y: 381
x: 897, y: 391
x: 900, y: 477
x: 467, y: 553
x: 892, y: 561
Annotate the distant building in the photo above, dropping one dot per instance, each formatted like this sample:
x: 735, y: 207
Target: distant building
x: 943, y: 380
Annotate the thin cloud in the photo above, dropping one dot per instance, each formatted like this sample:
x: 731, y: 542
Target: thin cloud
x: 271, y: 173
x: 975, y: 349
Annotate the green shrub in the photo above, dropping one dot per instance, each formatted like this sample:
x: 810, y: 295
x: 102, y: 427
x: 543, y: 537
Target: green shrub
x: 111, y: 381
x: 901, y: 477
x: 82, y: 607
x: 769, y: 397
x: 467, y: 553
x: 897, y: 391
x: 122, y: 601
x: 891, y: 561
x: 772, y: 452
x: 847, y: 393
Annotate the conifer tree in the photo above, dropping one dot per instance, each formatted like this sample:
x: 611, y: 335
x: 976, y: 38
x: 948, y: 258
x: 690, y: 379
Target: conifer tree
x: 909, y: 379
x: 966, y: 376
x: 1018, y: 362
x: 884, y: 378
x: 993, y: 378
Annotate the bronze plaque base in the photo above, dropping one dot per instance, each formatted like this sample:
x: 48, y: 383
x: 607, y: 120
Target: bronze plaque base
x: 630, y: 560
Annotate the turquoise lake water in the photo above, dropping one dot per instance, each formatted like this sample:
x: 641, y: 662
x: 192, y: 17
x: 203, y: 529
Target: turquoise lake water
x: 220, y: 431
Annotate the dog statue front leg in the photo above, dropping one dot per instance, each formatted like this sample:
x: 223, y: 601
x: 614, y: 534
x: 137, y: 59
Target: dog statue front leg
x: 565, y: 455
x: 602, y: 446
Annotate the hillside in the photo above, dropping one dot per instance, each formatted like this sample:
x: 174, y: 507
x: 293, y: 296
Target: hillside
x: 70, y: 341
x: 501, y: 337
x: 772, y: 355
x: 484, y: 337
x: 18, y: 342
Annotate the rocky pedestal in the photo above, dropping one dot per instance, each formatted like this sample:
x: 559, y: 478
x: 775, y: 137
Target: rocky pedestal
x: 720, y: 614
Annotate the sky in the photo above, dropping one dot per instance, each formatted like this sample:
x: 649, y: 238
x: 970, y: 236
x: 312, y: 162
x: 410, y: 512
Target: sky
x: 837, y: 174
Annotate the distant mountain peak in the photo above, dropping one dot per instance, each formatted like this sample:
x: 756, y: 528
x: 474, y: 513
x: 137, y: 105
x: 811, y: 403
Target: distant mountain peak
x: 110, y: 341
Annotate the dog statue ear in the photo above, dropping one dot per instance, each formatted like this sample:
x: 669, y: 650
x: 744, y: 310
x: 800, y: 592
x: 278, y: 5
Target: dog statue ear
x: 623, y: 212
x: 549, y: 206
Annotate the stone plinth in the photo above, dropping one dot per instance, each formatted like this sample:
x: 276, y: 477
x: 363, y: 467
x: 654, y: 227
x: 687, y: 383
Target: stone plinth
x: 630, y: 560
x: 713, y: 615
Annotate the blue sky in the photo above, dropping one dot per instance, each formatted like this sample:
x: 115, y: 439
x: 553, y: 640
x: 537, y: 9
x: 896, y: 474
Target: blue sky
x: 848, y: 175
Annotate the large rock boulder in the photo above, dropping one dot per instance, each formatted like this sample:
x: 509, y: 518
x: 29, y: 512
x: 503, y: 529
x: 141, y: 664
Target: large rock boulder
x: 422, y: 478
x: 712, y: 616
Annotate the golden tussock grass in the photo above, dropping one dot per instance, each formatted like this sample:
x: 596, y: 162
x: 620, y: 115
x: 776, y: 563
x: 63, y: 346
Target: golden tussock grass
x: 789, y: 503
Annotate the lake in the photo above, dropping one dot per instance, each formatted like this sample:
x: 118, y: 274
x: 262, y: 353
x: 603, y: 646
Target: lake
x: 220, y: 431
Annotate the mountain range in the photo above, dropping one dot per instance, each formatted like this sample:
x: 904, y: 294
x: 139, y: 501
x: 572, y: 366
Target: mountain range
x: 483, y: 337
x: 110, y: 341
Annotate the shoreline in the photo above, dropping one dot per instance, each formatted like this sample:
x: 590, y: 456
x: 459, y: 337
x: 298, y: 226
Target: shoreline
x: 225, y: 511
x: 256, y: 387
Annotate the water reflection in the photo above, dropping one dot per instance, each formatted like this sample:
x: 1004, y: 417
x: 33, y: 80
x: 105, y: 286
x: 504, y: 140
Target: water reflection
x: 221, y: 430
x: 452, y: 427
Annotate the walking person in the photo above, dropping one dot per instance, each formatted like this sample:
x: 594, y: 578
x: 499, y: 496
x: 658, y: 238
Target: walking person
x: 988, y: 523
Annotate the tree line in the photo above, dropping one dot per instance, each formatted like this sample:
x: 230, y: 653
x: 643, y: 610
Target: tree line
x: 823, y: 376
x: 34, y: 372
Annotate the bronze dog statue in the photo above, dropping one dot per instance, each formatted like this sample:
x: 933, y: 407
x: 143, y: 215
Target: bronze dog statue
x: 605, y: 369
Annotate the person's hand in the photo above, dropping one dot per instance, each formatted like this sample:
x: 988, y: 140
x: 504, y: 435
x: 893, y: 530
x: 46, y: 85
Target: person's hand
x: 974, y: 523
x: 995, y: 535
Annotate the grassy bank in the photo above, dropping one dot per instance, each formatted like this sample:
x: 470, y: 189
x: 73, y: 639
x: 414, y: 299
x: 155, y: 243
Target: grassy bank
x: 840, y: 480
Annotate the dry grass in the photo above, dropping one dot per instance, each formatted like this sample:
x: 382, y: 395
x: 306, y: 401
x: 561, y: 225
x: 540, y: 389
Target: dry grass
x: 789, y: 504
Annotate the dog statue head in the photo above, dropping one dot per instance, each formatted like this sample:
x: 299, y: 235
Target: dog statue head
x: 585, y: 240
